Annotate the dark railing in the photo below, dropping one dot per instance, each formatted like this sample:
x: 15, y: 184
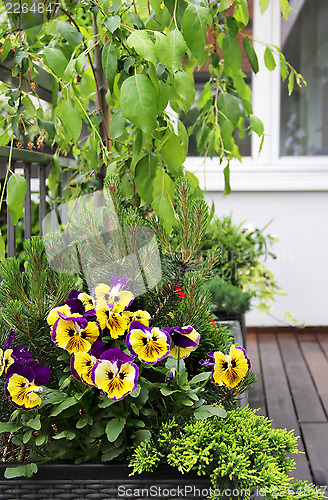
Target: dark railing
x: 32, y: 165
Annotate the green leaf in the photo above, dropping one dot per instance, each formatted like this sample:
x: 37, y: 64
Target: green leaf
x: 65, y: 435
x: 184, y: 89
x: 49, y: 127
x: 251, y: 54
x: 70, y: 118
x: 283, y: 67
x: 97, y: 430
x: 117, y: 125
x: 226, y: 173
x: 55, y: 175
x: 70, y: 33
x: 163, y: 194
x: 142, y: 435
x: 63, y: 406
x: 16, y: 191
x: 109, y: 63
x: 112, y: 23
x: 241, y: 12
x: 285, y: 8
x: 162, y: 97
x: 163, y: 50
x: 142, y: 44
x: 114, y: 428
x: 256, y: 125
x: 194, y: 29
x: 138, y: 102
x: 82, y: 422
x: 23, y: 470
x: 223, y: 5
x: 2, y: 247
x: 145, y: 173
x: 264, y: 4
x: 27, y: 436
x: 173, y: 153
x: 291, y: 80
x: 40, y: 439
x: 231, y: 52
x: 34, y: 423
x: 178, y: 47
x: 269, y: 59
x: 166, y: 391
x: 206, y: 411
x: 228, y: 105
x: 56, y: 60
x: 200, y: 378
x: 9, y: 427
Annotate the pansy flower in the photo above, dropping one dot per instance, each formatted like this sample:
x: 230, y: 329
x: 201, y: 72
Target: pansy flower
x: 115, y: 322
x: 83, y: 362
x: 75, y: 333
x: 24, y: 383
x: 113, y: 296
x: 10, y: 354
x: 184, y: 339
x: 149, y: 344
x: 115, y: 374
x: 141, y: 316
x: 80, y: 302
x: 229, y: 369
x: 53, y: 314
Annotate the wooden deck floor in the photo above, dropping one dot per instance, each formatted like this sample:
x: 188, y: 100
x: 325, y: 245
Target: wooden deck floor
x: 292, y: 391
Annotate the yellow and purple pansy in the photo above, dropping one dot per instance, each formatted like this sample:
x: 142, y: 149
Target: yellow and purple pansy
x: 115, y: 322
x: 83, y: 362
x: 149, y: 344
x: 10, y: 354
x: 185, y: 339
x: 141, y: 316
x: 229, y: 369
x: 77, y: 302
x: 75, y: 333
x: 80, y: 302
x: 113, y: 296
x: 115, y: 374
x: 24, y: 383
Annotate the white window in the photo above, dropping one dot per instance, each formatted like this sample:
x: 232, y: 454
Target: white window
x: 294, y: 156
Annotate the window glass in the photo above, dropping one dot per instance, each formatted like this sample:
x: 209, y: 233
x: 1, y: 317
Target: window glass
x: 304, y: 114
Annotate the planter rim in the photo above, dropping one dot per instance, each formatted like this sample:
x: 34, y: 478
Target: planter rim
x: 99, y: 471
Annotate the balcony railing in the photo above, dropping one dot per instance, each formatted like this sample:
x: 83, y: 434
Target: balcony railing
x: 32, y: 165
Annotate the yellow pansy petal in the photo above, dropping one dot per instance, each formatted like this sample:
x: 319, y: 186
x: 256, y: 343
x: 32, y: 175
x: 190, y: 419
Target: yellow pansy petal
x: 53, y: 315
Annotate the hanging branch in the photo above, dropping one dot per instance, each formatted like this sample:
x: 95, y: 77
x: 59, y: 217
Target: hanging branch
x: 101, y: 103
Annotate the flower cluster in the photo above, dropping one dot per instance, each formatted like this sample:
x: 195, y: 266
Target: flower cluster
x: 81, y: 325
x: 78, y: 326
x: 24, y: 377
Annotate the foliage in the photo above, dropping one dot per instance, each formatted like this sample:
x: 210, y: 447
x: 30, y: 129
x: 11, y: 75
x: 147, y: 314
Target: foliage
x: 227, y: 297
x: 238, y: 453
x: 121, y: 73
x: 78, y: 420
x: 244, y: 250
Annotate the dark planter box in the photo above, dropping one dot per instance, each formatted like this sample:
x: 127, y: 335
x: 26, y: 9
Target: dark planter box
x: 103, y: 482
x: 224, y: 317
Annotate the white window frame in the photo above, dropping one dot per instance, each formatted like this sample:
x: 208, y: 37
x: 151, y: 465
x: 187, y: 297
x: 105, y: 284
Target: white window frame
x: 267, y: 171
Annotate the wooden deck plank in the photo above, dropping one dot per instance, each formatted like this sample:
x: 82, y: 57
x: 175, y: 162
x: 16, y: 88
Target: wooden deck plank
x: 279, y: 401
x: 323, y: 341
x: 256, y: 397
x: 316, y: 442
x: 318, y: 365
x: 306, y: 400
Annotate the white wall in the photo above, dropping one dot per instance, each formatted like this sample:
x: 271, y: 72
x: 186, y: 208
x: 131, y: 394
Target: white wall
x: 301, y: 220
